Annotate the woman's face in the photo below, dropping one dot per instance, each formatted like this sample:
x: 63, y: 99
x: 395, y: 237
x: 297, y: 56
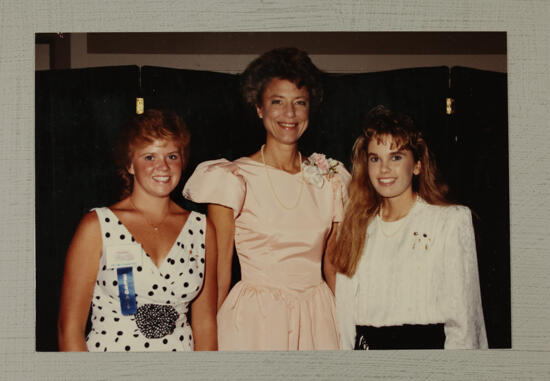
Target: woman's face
x: 391, y: 170
x: 156, y: 167
x: 284, y: 110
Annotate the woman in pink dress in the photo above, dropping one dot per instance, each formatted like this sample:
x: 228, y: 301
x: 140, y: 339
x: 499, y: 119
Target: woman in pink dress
x: 279, y: 211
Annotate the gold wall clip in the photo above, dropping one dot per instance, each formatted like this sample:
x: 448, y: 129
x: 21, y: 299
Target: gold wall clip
x: 140, y: 105
x: 450, y: 106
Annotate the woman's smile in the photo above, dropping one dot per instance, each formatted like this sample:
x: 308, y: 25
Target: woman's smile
x: 162, y: 179
x: 387, y: 181
x: 287, y: 126
x: 284, y: 111
x: 157, y: 167
x: 391, y: 169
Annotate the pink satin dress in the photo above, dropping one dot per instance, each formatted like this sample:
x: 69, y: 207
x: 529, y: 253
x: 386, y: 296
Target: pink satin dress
x: 282, y: 301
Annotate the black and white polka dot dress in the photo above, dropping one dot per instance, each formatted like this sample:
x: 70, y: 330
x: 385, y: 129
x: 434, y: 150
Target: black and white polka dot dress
x: 163, y: 294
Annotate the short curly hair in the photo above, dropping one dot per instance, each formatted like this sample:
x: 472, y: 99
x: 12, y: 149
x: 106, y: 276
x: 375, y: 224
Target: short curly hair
x: 291, y: 64
x: 143, y: 129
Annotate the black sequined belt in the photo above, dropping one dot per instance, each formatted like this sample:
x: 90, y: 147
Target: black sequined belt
x: 407, y: 336
x: 155, y: 321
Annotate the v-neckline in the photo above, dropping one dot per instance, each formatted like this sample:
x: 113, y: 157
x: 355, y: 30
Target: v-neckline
x: 164, y: 260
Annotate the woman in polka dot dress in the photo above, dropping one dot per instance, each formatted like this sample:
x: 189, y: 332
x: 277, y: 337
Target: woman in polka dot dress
x: 142, y: 262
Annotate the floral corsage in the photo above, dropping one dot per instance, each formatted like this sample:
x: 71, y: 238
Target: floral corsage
x: 317, y: 167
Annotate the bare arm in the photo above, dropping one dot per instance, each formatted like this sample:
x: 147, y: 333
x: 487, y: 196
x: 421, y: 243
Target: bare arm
x: 222, y: 218
x: 203, y: 310
x: 81, y: 266
x: 329, y: 270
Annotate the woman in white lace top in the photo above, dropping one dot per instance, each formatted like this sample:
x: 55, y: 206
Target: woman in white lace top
x: 407, y: 261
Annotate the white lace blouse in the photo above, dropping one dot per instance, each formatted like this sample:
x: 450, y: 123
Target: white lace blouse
x: 421, y: 269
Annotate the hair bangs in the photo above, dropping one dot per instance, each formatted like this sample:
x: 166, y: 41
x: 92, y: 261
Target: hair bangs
x: 397, y: 139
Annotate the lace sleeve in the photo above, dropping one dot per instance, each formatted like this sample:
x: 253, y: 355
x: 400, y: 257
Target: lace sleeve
x: 464, y: 325
x: 345, y: 310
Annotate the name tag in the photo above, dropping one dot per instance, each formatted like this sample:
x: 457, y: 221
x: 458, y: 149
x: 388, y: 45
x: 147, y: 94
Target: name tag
x: 117, y: 256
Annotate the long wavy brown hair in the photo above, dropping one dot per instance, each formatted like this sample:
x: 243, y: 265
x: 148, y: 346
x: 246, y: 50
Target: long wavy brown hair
x: 364, y: 202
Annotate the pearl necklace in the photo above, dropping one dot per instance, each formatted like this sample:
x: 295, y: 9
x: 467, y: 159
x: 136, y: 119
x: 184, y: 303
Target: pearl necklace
x: 273, y: 188
x: 154, y: 226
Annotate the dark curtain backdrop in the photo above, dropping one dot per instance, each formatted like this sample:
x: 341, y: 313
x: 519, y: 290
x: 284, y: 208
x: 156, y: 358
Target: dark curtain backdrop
x: 480, y: 178
x: 79, y: 112
x: 419, y: 92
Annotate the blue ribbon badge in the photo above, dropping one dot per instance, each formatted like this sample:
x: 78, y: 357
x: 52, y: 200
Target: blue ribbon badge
x: 126, y: 291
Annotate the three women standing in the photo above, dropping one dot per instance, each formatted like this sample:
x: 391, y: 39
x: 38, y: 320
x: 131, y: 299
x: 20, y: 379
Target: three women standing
x: 279, y: 211
x: 407, y: 257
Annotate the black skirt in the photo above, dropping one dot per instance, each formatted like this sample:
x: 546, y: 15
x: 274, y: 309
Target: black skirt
x: 429, y: 336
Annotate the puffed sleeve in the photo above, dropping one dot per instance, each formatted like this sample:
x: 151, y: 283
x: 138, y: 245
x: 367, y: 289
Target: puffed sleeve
x: 464, y: 324
x: 340, y: 182
x: 217, y: 182
x: 345, y: 293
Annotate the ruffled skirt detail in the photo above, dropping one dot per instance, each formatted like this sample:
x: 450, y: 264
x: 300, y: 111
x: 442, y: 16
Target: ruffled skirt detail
x: 258, y: 317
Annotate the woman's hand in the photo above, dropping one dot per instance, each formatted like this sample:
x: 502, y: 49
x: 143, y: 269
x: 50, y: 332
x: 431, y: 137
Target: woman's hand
x: 224, y: 222
x: 203, y: 309
x: 81, y: 267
